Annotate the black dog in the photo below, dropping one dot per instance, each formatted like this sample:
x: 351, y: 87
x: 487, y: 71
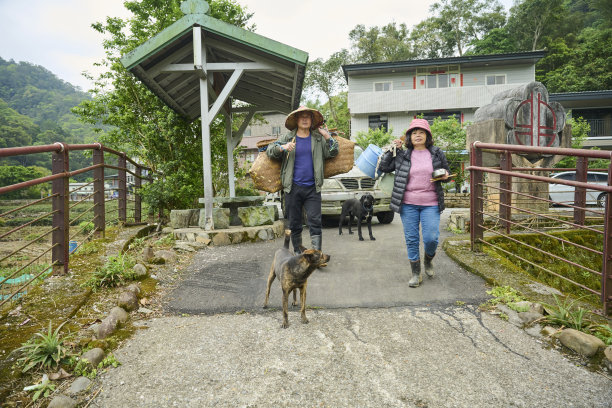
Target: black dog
x: 362, y: 208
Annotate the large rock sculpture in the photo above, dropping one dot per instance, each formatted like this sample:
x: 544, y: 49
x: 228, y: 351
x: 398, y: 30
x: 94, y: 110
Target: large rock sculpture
x: 521, y: 116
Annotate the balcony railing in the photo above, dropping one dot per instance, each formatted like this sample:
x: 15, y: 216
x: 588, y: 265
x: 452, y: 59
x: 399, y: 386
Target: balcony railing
x: 600, y: 127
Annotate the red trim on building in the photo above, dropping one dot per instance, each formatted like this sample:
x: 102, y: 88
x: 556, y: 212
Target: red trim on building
x: 462, y: 117
x: 461, y: 80
x: 414, y: 82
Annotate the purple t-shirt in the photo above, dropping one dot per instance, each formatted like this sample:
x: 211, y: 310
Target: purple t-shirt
x: 303, y: 169
x: 419, y: 189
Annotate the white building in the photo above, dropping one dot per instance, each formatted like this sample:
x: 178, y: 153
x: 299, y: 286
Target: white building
x: 78, y: 191
x: 391, y: 94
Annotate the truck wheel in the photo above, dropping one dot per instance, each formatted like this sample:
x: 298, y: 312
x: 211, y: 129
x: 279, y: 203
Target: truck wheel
x: 385, y: 217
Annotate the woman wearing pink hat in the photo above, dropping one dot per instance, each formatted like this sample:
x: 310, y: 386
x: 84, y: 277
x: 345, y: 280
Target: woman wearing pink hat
x: 416, y: 196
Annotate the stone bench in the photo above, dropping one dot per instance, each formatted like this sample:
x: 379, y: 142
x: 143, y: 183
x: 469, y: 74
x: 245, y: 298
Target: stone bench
x: 233, y: 203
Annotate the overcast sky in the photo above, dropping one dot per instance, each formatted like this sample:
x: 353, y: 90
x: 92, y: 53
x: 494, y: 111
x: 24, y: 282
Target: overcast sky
x: 57, y: 34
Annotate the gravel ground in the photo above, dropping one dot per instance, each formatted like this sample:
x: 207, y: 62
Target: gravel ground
x: 388, y: 357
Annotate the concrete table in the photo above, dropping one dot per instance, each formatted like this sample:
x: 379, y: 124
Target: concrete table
x: 234, y: 202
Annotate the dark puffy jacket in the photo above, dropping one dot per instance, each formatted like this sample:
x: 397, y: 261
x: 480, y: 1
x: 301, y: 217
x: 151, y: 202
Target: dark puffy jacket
x: 401, y: 164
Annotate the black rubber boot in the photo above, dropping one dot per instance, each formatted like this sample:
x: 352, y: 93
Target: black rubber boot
x: 316, y: 244
x: 429, y: 268
x: 316, y: 241
x: 296, y: 239
x: 417, y: 278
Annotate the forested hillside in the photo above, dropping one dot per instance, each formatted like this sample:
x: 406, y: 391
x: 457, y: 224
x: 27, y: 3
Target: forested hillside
x: 35, y: 110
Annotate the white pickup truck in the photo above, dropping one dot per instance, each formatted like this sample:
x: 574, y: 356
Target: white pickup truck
x: 354, y: 184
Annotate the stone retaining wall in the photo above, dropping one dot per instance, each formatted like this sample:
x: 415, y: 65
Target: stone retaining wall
x: 232, y: 235
x: 457, y: 200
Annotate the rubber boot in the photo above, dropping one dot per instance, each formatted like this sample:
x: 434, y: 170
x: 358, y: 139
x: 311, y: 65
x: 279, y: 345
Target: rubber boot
x: 417, y: 278
x: 296, y: 239
x: 316, y: 244
x: 429, y: 268
x: 316, y: 241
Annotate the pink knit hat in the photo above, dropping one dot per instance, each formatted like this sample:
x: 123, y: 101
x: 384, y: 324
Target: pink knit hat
x: 419, y: 124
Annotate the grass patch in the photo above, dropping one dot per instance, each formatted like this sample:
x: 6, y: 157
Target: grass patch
x: 165, y: 241
x: 115, y: 272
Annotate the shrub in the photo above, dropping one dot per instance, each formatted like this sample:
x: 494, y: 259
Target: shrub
x: 378, y: 137
x: 86, y: 227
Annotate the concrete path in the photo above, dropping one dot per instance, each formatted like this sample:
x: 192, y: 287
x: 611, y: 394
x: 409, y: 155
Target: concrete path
x: 371, y: 340
x: 360, y: 274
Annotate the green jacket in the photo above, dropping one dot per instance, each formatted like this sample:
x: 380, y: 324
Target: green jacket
x: 321, y: 150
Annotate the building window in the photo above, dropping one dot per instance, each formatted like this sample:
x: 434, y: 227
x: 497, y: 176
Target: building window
x: 382, y: 86
x: 445, y: 76
x: 430, y: 116
x: 496, y: 79
x: 443, y: 81
x: 275, y: 130
x: 378, y: 121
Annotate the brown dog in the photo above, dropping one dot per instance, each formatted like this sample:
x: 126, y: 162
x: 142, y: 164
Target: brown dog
x: 293, y: 271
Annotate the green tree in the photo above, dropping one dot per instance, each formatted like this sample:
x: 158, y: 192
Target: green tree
x: 449, y: 135
x: 342, y: 122
x: 381, y: 44
x: 326, y: 76
x: 15, y: 129
x: 461, y: 22
x: 496, y: 41
x: 585, y: 67
x: 428, y: 40
x: 143, y: 126
x: 531, y: 20
x: 10, y: 175
x: 580, y: 133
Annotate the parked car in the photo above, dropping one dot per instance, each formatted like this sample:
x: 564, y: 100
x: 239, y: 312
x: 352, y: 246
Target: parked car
x: 354, y: 184
x: 337, y: 189
x: 562, y: 194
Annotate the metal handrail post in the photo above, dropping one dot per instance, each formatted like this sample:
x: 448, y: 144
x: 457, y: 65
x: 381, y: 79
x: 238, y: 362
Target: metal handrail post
x: 580, y: 192
x: 99, y: 194
x: 505, y: 198
x: 137, y: 198
x: 606, y: 276
x: 476, y: 202
x: 122, y: 189
x: 61, y: 216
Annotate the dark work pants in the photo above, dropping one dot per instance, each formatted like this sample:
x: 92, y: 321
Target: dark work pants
x: 303, y: 197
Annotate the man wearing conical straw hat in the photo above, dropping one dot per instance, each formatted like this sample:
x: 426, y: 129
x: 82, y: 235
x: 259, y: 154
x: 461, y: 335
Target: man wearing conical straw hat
x: 303, y: 151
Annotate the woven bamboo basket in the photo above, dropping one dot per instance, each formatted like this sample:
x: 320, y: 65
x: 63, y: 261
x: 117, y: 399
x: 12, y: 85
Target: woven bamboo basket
x: 264, y: 143
x: 344, y: 161
x: 265, y: 173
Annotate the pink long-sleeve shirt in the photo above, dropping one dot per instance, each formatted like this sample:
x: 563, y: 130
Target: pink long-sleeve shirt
x: 419, y: 189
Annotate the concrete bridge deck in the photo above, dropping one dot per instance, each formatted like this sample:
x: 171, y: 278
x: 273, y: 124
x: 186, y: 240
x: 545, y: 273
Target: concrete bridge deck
x: 371, y: 340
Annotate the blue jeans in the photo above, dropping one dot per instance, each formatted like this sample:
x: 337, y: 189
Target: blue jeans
x: 429, y: 219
